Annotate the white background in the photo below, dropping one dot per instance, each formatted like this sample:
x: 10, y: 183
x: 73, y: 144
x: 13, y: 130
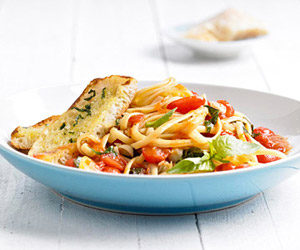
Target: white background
x: 44, y: 43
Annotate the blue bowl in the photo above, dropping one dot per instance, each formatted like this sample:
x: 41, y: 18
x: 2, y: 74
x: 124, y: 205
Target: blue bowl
x: 177, y: 194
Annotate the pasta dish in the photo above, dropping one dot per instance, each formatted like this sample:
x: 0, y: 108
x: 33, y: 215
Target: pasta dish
x: 162, y: 129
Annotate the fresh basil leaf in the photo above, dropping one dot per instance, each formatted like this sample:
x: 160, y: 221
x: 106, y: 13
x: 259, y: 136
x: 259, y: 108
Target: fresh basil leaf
x: 228, y: 145
x: 110, y: 149
x: 192, y: 165
x: 161, y: 120
x: 214, y: 113
x: 192, y: 152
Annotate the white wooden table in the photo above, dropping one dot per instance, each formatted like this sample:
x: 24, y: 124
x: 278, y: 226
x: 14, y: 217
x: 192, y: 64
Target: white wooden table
x: 45, y: 43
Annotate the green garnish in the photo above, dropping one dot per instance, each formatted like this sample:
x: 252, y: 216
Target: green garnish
x: 214, y: 113
x: 118, y: 122
x: 192, y: 152
x: 71, y: 140
x: 103, y: 93
x: 77, y: 161
x: 161, y: 120
x: 87, y: 109
x: 77, y: 119
x: 71, y: 132
x: 62, y: 126
x: 93, y: 94
x: 191, y: 165
x: 208, y: 125
x: 137, y: 171
x: 110, y: 149
x: 220, y: 148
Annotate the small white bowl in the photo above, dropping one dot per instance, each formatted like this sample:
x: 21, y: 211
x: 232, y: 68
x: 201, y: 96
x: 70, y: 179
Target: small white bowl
x: 210, y: 49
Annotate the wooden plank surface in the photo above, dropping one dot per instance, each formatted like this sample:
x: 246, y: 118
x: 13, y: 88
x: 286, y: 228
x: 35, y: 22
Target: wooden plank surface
x: 45, y: 43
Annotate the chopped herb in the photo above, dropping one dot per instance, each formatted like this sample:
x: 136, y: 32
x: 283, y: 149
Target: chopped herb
x: 71, y: 140
x: 192, y: 152
x: 110, y: 149
x: 87, y: 108
x: 71, y: 132
x: 62, y: 126
x: 255, y: 135
x: 93, y: 93
x: 77, y: 161
x: 77, y: 119
x: 208, y: 125
x: 214, y: 113
x: 118, y: 122
x: 162, y: 120
x: 137, y: 171
x: 103, y: 93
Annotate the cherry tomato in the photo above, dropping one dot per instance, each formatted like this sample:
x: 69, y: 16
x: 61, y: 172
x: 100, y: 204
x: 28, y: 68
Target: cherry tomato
x: 225, y: 167
x: 230, y: 166
x: 242, y: 166
x: 267, y: 158
x: 186, y: 104
x: 207, y: 135
x: 71, y: 163
x: 227, y: 132
x: 113, y: 161
x: 135, y: 119
x: 269, y: 139
x: 229, y: 109
x: 154, y: 154
x: 111, y: 170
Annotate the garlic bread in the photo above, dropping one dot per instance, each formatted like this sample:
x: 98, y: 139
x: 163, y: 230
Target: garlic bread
x: 95, y: 111
x: 24, y: 137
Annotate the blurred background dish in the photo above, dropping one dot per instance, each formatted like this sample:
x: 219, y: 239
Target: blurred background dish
x: 225, y: 35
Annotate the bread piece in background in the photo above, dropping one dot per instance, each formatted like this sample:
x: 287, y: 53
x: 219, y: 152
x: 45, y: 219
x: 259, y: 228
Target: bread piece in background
x: 229, y: 25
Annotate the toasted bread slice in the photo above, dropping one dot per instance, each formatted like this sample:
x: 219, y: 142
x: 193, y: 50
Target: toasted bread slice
x: 24, y: 137
x: 229, y: 25
x: 95, y: 111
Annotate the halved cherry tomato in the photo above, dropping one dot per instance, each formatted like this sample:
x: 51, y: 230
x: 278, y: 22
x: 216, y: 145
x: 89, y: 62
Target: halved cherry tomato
x: 225, y: 167
x: 267, y: 158
x: 71, y: 163
x: 113, y: 161
x: 269, y: 139
x: 242, y: 166
x: 111, y: 170
x: 154, y: 154
x: 208, y: 135
x: 227, y: 132
x: 186, y: 104
x: 135, y: 119
x: 230, y: 166
x: 229, y: 109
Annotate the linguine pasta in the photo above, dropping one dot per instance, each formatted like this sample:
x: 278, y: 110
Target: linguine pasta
x: 153, y: 138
